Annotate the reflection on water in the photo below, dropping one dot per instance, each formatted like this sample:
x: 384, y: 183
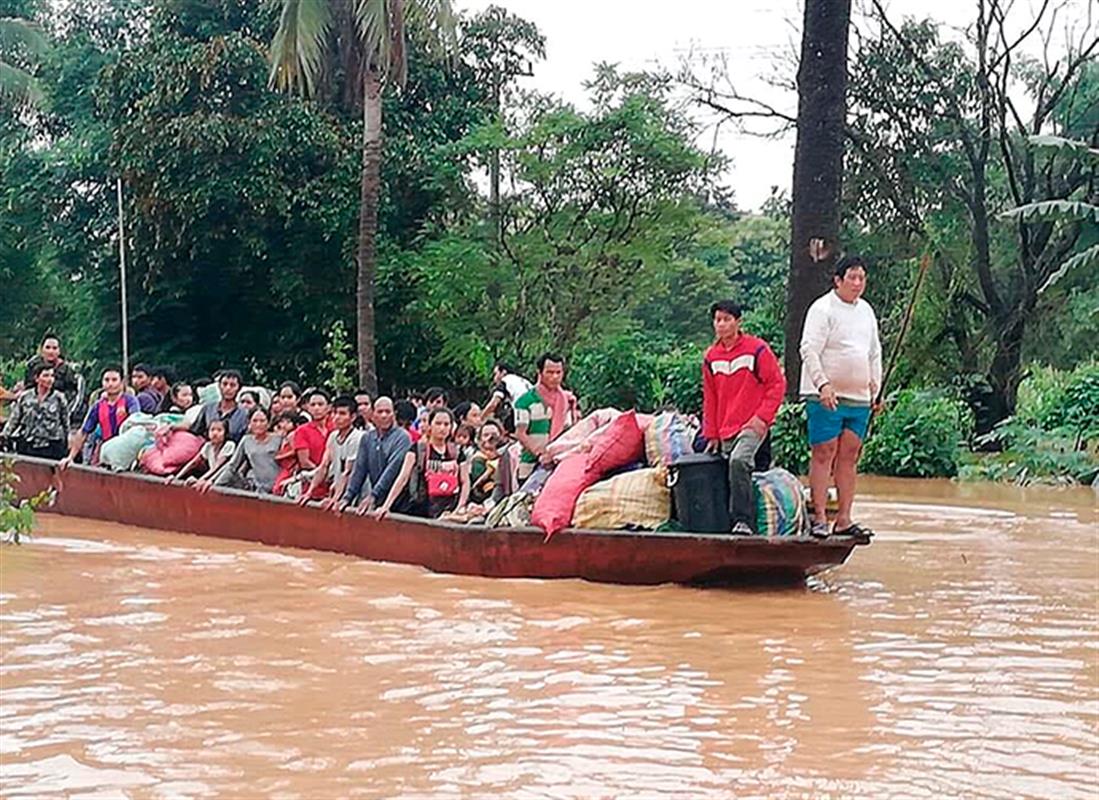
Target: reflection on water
x: 956, y: 657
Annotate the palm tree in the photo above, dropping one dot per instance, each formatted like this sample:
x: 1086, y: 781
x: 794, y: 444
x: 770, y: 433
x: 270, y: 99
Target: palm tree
x: 23, y: 39
x: 365, y: 40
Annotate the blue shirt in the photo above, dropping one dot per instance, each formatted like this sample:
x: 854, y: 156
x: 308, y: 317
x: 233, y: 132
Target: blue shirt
x: 380, y: 458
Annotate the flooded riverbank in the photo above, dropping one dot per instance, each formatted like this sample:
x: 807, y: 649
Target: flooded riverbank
x: 956, y: 657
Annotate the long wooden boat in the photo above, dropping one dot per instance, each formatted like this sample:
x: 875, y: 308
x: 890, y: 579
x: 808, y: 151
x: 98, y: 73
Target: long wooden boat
x: 596, y: 555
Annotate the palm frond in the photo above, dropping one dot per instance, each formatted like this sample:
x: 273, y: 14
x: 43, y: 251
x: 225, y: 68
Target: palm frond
x: 384, y: 24
x: 438, y: 20
x: 16, y: 32
x: 17, y: 87
x: 380, y: 25
x: 298, y: 52
x: 1054, y: 211
x: 1059, y: 144
x: 1086, y: 259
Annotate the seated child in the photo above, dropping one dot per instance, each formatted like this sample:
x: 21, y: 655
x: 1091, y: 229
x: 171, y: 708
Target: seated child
x: 484, y: 465
x: 463, y: 438
x: 214, y: 455
x: 287, y: 457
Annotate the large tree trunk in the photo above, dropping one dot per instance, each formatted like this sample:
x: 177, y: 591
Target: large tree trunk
x: 818, y: 167
x: 367, y: 256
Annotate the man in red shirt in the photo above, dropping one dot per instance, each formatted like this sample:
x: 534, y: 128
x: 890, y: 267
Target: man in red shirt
x: 742, y: 388
x: 309, y: 442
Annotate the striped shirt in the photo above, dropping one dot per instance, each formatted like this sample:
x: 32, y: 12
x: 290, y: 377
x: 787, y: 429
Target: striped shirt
x: 531, y: 411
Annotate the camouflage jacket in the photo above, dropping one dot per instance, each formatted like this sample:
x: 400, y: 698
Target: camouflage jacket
x: 38, y: 422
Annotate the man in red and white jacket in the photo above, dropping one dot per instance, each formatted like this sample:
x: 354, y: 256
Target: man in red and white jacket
x: 742, y: 388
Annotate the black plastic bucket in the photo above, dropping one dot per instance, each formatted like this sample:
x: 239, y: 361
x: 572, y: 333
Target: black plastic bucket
x: 700, y: 492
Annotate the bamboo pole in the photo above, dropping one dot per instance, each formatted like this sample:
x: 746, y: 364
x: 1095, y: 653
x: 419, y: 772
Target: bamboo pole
x: 122, y: 283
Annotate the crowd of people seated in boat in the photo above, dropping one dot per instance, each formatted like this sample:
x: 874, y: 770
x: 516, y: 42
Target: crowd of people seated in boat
x: 351, y: 452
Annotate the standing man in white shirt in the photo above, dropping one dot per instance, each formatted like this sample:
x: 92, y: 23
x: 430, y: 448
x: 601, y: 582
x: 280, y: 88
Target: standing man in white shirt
x: 507, y: 387
x: 841, y: 373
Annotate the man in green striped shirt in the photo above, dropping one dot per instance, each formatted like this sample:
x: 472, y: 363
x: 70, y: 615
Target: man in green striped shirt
x: 543, y: 414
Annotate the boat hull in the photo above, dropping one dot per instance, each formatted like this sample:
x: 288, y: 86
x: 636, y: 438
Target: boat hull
x: 604, y: 556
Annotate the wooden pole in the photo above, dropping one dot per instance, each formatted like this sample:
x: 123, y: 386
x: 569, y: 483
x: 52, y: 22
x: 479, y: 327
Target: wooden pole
x: 925, y: 263
x: 122, y: 282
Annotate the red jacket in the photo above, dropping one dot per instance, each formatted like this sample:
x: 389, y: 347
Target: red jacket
x: 738, y: 383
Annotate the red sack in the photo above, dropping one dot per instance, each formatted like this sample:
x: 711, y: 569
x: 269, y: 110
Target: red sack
x: 553, y: 508
x: 622, y: 443
x: 169, y: 455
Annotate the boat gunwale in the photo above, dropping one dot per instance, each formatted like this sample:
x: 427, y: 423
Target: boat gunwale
x: 473, y: 530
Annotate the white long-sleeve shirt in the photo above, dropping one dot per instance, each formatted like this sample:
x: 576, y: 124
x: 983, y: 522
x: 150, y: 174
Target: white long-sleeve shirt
x: 840, y: 346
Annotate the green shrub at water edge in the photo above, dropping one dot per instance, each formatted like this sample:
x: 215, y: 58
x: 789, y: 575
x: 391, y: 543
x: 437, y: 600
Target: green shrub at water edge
x: 1051, y: 399
x: 1032, y: 455
x: 16, y: 516
x: 1054, y: 435
x: 1079, y: 407
x: 919, y: 435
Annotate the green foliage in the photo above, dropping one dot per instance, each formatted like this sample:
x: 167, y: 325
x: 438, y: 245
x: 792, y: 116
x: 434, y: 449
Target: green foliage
x: 1054, y: 435
x: 605, y: 206
x: 622, y: 372
x: 934, y: 162
x: 1040, y: 396
x: 339, y: 365
x: 1032, y: 454
x: 919, y: 435
x: 1079, y: 410
x: 12, y: 370
x: 21, y: 46
x: 16, y: 515
x: 681, y: 379
x: 1051, y: 399
x: 790, y: 439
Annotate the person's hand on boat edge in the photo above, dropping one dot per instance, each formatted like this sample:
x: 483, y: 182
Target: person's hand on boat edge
x: 329, y: 504
x: 64, y: 463
x: 365, y: 506
x: 380, y: 513
x: 304, y: 499
x: 713, y: 445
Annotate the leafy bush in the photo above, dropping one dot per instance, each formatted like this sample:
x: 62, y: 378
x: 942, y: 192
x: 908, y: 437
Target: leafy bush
x: 1079, y: 407
x: 339, y: 367
x: 1040, y: 394
x: 918, y: 436
x: 1054, y: 435
x: 16, y: 515
x: 790, y: 439
x: 623, y: 372
x: 1030, y: 454
x: 1052, y: 399
x: 681, y: 380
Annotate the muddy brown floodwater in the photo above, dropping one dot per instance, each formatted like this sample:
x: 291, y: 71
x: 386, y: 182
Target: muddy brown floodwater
x: 956, y: 657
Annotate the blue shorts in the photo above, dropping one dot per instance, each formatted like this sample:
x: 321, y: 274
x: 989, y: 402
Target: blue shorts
x: 825, y: 425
